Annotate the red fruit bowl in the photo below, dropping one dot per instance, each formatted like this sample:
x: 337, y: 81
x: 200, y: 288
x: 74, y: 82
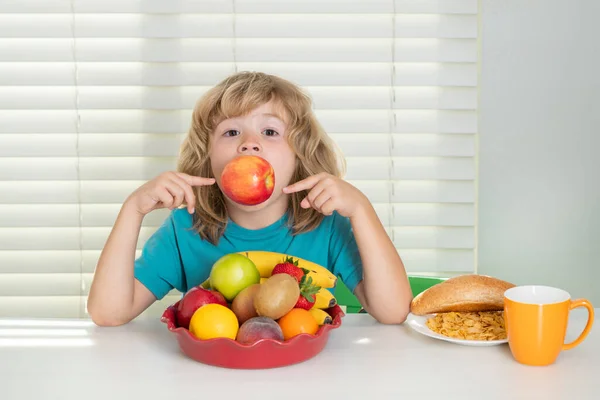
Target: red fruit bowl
x: 264, y: 353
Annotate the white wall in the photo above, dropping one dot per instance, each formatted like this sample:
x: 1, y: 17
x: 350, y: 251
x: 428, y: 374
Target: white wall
x: 539, y: 188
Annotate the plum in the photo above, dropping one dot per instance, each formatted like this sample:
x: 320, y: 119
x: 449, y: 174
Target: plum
x: 257, y: 328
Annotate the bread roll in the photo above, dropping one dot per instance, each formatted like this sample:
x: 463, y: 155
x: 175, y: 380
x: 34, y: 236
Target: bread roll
x: 465, y: 293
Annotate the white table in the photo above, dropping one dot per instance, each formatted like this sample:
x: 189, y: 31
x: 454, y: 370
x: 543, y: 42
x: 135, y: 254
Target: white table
x: 73, y: 359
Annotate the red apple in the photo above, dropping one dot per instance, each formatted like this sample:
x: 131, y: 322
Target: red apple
x: 248, y: 180
x: 195, y: 298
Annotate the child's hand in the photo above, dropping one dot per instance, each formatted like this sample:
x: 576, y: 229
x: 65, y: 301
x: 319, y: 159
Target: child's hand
x: 328, y: 193
x: 168, y: 190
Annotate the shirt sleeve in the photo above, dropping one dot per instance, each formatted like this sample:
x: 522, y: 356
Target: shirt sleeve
x: 343, y: 252
x: 159, y: 266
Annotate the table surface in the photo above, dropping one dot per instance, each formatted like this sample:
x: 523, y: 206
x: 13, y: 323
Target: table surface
x: 74, y: 359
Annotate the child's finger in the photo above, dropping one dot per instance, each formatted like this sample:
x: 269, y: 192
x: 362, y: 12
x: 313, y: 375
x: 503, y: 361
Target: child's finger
x: 304, y: 184
x: 164, y: 196
x: 305, y: 203
x: 321, y: 199
x: 189, y: 196
x: 177, y: 192
x: 315, y: 192
x: 196, y: 180
x: 328, y: 207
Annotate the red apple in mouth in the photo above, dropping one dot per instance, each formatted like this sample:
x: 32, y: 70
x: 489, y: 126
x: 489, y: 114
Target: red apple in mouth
x: 248, y: 180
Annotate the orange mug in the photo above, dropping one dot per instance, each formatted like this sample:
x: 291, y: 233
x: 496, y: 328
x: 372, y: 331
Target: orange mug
x: 536, y: 320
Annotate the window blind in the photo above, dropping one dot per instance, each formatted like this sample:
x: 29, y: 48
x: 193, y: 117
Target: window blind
x: 95, y: 97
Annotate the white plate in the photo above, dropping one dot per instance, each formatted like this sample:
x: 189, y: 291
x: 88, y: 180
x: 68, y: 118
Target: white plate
x: 419, y: 324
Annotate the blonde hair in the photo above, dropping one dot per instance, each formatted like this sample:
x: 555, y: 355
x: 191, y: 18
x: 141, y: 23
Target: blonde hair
x: 235, y: 96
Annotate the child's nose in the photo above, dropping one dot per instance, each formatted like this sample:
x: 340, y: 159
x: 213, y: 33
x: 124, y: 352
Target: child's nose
x: 249, y: 147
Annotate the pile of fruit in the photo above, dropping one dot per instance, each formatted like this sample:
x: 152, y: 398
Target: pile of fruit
x: 258, y: 295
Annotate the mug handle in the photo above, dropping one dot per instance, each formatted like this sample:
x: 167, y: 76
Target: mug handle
x: 588, y: 325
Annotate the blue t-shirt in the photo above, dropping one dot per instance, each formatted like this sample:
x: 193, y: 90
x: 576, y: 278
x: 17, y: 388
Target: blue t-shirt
x: 175, y: 257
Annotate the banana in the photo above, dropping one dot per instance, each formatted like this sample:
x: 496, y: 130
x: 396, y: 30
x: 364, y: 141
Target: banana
x: 263, y: 280
x: 324, y: 299
x: 320, y: 276
x: 265, y: 261
x: 320, y: 316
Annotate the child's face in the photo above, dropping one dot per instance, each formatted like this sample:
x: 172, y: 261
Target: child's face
x: 259, y: 133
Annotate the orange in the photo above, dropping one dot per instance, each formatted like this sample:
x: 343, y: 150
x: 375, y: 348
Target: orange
x: 297, y: 321
x: 214, y: 321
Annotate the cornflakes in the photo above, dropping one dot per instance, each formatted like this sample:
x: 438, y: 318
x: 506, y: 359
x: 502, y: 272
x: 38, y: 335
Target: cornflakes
x: 484, y: 325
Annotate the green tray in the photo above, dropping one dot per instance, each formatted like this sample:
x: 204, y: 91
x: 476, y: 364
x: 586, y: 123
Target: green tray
x: 345, y: 297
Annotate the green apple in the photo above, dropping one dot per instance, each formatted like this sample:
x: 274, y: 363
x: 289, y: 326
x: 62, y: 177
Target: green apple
x: 233, y: 273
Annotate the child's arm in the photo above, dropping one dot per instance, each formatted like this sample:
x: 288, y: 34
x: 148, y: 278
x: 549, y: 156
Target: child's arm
x: 116, y: 297
x: 385, y: 290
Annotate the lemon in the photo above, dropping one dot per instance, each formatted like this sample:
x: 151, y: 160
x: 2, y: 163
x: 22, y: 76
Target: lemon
x: 214, y: 321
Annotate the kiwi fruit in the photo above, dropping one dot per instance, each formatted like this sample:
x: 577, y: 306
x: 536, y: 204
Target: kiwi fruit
x: 277, y: 296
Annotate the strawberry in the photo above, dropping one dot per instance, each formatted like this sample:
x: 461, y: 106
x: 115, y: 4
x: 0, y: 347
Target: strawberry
x: 290, y: 267
x: 308, y: 290
x: 304, y: 303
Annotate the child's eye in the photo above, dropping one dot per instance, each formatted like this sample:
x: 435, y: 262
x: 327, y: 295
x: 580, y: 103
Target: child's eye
x: 231, y: 133
x: 270, y: 132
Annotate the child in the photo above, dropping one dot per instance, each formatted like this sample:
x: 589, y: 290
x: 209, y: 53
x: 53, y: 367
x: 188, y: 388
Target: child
x: 312, y: 213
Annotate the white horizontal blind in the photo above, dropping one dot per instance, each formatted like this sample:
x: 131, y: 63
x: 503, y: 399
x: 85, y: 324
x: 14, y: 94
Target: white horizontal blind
x: 95, y: 97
